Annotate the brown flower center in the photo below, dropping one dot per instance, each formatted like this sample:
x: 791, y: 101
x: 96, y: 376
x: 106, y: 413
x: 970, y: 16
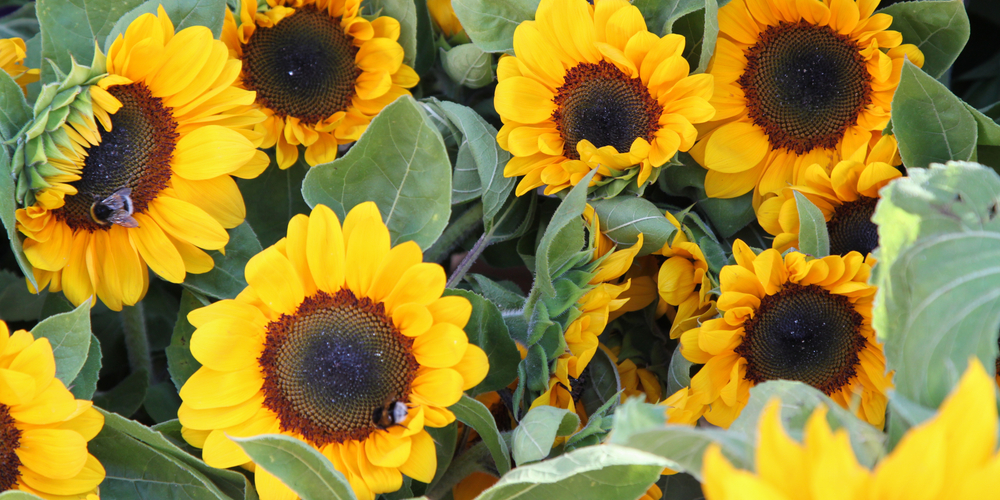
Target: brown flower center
x: 10, y: 439
x: 599, y: 103
x: 303, y: 66
x: 805, y: 85
x: 332, y: 364
x: 851, y: 227
x: 803, y: 333
x: 135, y: 154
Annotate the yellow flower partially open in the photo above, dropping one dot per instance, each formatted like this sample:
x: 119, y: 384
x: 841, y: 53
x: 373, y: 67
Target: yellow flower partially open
x: 444, y: 17
x: 12, y: 54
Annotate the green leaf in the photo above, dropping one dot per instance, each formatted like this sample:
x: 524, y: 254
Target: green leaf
x: 537, y: 431
x: 127, y: 397
x: 404, y: 11
x: 938, y: 29
x: 273, y: 198
x: 183, y: 13
x: 987, y: 128
x: 660, y: 15
x: 22, y: 23
x: 8, y: 207
x: 490, y: 24
x: 563, y: 238
x: 18, y: 495
x: 605, y: 471
x: 902, y: 415
x: 624, y: 217
x: 487, y: 330
x: 226, y: 280
x: 938, y: 301
x: 476, y: 415
x: 696, y: 20
x: 17, y: 303
x: 300, y: 466
x: 468, y: 65
x: 930, y: 123
x: 14, y: 110
x: 679, y: 375
x: 727, y: 215
x: 400, y: 162
x: 814, y: 239
x: 85, y: 384
x: 602, y: 383
x: 445, y: 439
x: 69, y: 334
x: 162, y: 401
x: 69, y: 28
x: 180, y: 362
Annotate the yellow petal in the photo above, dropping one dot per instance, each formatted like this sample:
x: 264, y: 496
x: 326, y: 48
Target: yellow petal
x: 212, y: 151
x: 441, y: 347
x: 274, y: 279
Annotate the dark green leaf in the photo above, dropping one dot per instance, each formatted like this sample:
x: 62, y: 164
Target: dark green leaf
x: 162, y: 402
x: 226, y: 280
x: 85, y: 384
x: 401, y: 164
x: 814, y: 239
x: 468, y: 65
x: 126, y: 397
x: 487, y: 330
x: 727, y: 215
x: 300, y: 466
x: 505, y: 297
x: 476, y: 415
x: 537, y: 431
x: 183, y: 13
x: 930, y: 123
x: 69, y: 334
x: 563, y: 240
x: 679, y: 374
x: 602, y: 383
x: 660, y: 15
x: 17, y: 303
x: 273, y: 198
x: 180, y: 362
x: 445, y: 439
x: 22, y: 23
x: 69, y: 28
x: 14, y: 110
x: 938, y: 28
x: 624, y: 217
x: 490, y: 24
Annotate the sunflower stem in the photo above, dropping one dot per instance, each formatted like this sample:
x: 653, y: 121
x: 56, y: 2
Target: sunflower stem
x: 136, y: 339
x: 457, y: 231
x: 470, y: 259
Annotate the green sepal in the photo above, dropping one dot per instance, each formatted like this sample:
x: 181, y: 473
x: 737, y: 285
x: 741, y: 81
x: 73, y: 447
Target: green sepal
x: 45, y: 97
x: 37, y: 181
x: 34, y: 152
x: 57, y: 117
x: 65, y: 97
x: 17, y: 160
x: 38, y: 124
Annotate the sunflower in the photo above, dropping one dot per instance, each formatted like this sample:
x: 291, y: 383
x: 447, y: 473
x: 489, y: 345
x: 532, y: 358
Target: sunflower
x: 43, y: 429
x: 683, y: 283
x: 148, y: 183
x: 12, y: 54
x: 333, y: 296
x: 636, y: 382
x: 320, y: 70
x: 444, y: 17
x: 564, y: 390
x: 793, y: 319
x: 953, y: 455
x: 589, y: 87
x: 847, y: 197
x: 796, y: 83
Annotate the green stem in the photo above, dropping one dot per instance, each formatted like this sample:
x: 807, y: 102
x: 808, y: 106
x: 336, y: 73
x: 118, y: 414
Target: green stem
x: 470, y: 259
x: 457, y: 231
x: 136, y: 339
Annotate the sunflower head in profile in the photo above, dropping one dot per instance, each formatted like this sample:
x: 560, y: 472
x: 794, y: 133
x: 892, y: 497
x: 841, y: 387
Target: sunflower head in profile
x: 44, y: 430
x: 847, y: 196
x: 320, y: 71
x: 590, y: 88
x: 12, y: 54
x: 139, y: 172
x: 683, y: 282
x: 952, y: 455
x: 796, y: 83
x: 444, y: 17
x: 339, y: 340
x: 788, y: 318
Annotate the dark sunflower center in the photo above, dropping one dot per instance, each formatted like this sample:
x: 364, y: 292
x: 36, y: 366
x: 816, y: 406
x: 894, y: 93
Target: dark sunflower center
x: 134, y: 154
x: 302, y: 67
x: 599, y: 103
x: 329, y: 367
x: 804, y: 85
x: 10, y: 439
x: 803, y: 333
x: 851, y: 227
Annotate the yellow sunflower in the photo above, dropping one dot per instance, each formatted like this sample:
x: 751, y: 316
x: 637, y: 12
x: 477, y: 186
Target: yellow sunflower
x: 320, y: 70
x: 636, y: 382
x: 683, y: 283
x: 333, y: 296
x: 444, y: 17
x: 589, y: 87
x: 847, y: 197
x: 564, y: 391
x: 149, y: 182
x: 12, y: 54
x: 792, y: 319
x: 43, y: 430
x: 953, y: 455
x: 796, y: 83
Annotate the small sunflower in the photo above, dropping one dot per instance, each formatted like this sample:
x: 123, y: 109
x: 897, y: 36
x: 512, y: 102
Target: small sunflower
x: 796, y: 83
x: 636, y: 382
x: 792, y: 319
x: 589, y: 87
x: 564, y: 390
x: 847, y: 197
x: 444, y: 17
x: 148, y: 183
x: 321, y: 72
x: 12, y: 54
x: 953, y: 455
x: 43, y: 430
x: 684, y: 283
x: 333, y: 296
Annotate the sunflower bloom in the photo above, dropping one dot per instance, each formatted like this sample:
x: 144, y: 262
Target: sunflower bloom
x: 564, y: 391
x: 683, y: 283
x: 847, y: 196
x: 953, y: 455
x: 12, y: 54
x: 636, y: 382
x: 796, y: 83
x: 149, y: 182
x: 332, y: 295
x: 43, y: 430
x: 589, y: 87
x: 791, y: 319
x: 444, y: 17
x: 321, y: 72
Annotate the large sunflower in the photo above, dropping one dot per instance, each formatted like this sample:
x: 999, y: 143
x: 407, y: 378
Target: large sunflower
x: 796, y: 83
x: 589, y: 87
x: 320, y: 70
x: 847, y: 197
x: 148, y: 182
x: 12, y: 54
x: 793, y: 319
x: 953, y: 455
x: 43, y: 429
x: 333, y: 296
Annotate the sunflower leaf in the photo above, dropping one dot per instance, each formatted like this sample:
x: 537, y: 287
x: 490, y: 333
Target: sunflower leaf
x: 85, y: 384
x: 468, y: 65
x: 69, y: 334
x: 930, y: 123
x: 814, y: 239
x: 301, y: 467
x: 563, y: 237
x: 490, y: 24
x: 69, y: 29
x: 537, y: 431
x: 939, y: 29
x: 180, y: 362
x: 14, y: 109
x: 602, y: 386
x: 226, y: 280
x: 902, y: 415
x: 623, y: 218
x: 274, y: 197
x: 400, y: 162
x: 183, y: 13
x: 487, y: 330
x: 938, y: 301
x: 476, y: 415
x: 660, y: 15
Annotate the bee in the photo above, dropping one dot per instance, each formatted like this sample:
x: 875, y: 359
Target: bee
x: 115, y: 209
x: 392, y: 412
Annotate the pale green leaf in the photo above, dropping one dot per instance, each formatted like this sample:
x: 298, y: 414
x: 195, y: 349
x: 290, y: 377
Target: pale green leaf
x: 814, y: 239
x: 939, y: 29
x: 226, y: 280
x: 300, y: 466
x: 14, y: 110
x: 468, y: 65
x: 930, y: 123
x: 69, y: 28
x: 624, y: 217
x: 183, y: 13
x: 69, y: 334
x: 490, y: 24
x: 476, y: 415
x: 537, y: 431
